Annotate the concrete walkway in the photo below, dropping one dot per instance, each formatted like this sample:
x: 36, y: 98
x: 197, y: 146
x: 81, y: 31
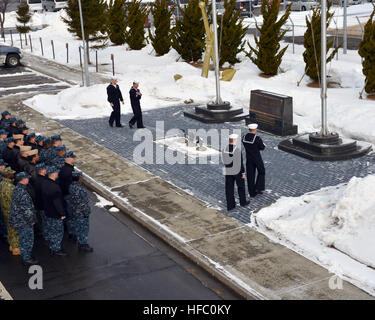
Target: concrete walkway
x: 242, y: 258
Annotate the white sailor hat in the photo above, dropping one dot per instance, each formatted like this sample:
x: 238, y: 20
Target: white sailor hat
x: 252, y: 126
x: 113, y: 78
x: 136, y: 81
x: 233, y: 136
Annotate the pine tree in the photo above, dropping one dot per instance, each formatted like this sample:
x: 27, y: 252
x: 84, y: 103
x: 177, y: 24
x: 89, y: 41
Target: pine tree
x: 189, y: 33
x: 135, y: 22
x: 312, y: 43
x: 367, y: 52
x: 23, y: 16
x: 116, y: 24
x: 267, y: 56
x: 162, y: 38
x: 94, y: 14
x: 231, y: 33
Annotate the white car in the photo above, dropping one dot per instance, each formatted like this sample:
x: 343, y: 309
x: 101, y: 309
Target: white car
x: 54, y: 5
x: 302, y: 5
x: 35, y: 5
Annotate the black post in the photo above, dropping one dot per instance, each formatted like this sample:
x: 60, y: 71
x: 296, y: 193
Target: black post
x: 113, y: 64
x: 21, y: 41
x: 41, y: 46
x: 67, y: 52
x: 11, y: 37
x: 53, y: 49
x: 80, y: 58
x: 31, y: 44
x: 96, y: 60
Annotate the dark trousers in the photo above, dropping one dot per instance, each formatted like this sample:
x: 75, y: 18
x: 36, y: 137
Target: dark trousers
x: 251, y: 169
x: 229, y: 190
x: 116, y: 114
x: 137, y: 117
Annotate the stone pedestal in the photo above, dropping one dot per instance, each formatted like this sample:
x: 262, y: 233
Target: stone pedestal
x: 316, y: 147
x: 216, y: 113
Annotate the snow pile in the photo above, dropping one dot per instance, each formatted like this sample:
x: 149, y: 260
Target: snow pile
x: 334, y: 226
x: 102, y: 202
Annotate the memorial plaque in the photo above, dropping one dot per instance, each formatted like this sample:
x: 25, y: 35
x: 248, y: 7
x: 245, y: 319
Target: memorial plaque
x: 272, y: 112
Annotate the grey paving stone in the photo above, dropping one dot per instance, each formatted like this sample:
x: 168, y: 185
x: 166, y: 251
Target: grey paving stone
x: 286, y: 174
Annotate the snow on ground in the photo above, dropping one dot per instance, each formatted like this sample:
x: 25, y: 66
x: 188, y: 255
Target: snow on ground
x: 334, y: 226
x: 102, y: 202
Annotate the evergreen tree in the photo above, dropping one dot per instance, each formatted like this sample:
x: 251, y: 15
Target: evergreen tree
x: 267, y: 56
x: 116, y: 23
x: 189, y: 33
x: 136, y: 15
x: 312, y: 43
x: 162, y: 38
x: 94, y: 14
x: 231, y: 33
x: 23, y: 16
x: 367, y: 52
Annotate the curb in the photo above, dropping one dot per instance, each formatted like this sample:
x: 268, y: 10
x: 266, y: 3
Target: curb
x: 167, y: 236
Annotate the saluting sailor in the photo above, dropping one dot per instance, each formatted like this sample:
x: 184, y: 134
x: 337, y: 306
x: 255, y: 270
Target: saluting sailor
x: 254, y: 163
x: 234, y: 172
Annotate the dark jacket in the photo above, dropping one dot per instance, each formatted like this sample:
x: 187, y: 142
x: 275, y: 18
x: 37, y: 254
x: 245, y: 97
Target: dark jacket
x: 253, y: 145
x: 37, y: 183
x: 52, y: 198
x: 22, y: 163
x: 114, y: 94
x: 4, y: 123
x: 12, y: 130
x: 65, y: 178
x: 10, y: 157
x: 134, y: 98
x: 233, y: 156
x: 22, y: 211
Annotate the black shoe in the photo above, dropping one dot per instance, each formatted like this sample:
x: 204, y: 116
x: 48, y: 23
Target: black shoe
x: 111, y: 124
x: 85, y: 248
x: 72, y: 237
x: 245, y: 204
x: 131, y: 126
x: 259, y: 192
x: 229, y: 209
x: 60, y: 253
x: 253, y: 195
x: 29, y: 262
x: 143, y: 127
x: 120, y: 126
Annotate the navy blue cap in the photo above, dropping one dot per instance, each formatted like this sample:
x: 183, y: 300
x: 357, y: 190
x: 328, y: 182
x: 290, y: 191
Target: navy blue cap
x: 70, y: 154
x: 39, y: 138
x: 31, y: 135
x: 19, y: 121
x: 40, y: 166
x: 56, y: 138
x: 23, y: 128
x: 2, y: 132
x: 52, y: 169
x: 3, y: 163
x: 60, y: 148
x: 9, y: 140
x: 46, y: 140
x: 5, y: 113
x: 22, y: 175
x: 12, y: 120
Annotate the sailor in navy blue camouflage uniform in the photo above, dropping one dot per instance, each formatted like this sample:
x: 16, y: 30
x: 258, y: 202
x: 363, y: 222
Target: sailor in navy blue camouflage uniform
x: 39, y: 143
x: 12, y: 127
x: 3, y: 227
x: 23, y: 217
x: 3, y: 136
x: 53, y: 204
x: 58, y: 161
x: 5, y: 117
x: 46, y: 154
x: 30, y: 141
x: 80, y: 211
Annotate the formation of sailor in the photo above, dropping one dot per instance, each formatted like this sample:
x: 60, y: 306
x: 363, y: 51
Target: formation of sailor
x: 33, y: 196
x: 234, y: 170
